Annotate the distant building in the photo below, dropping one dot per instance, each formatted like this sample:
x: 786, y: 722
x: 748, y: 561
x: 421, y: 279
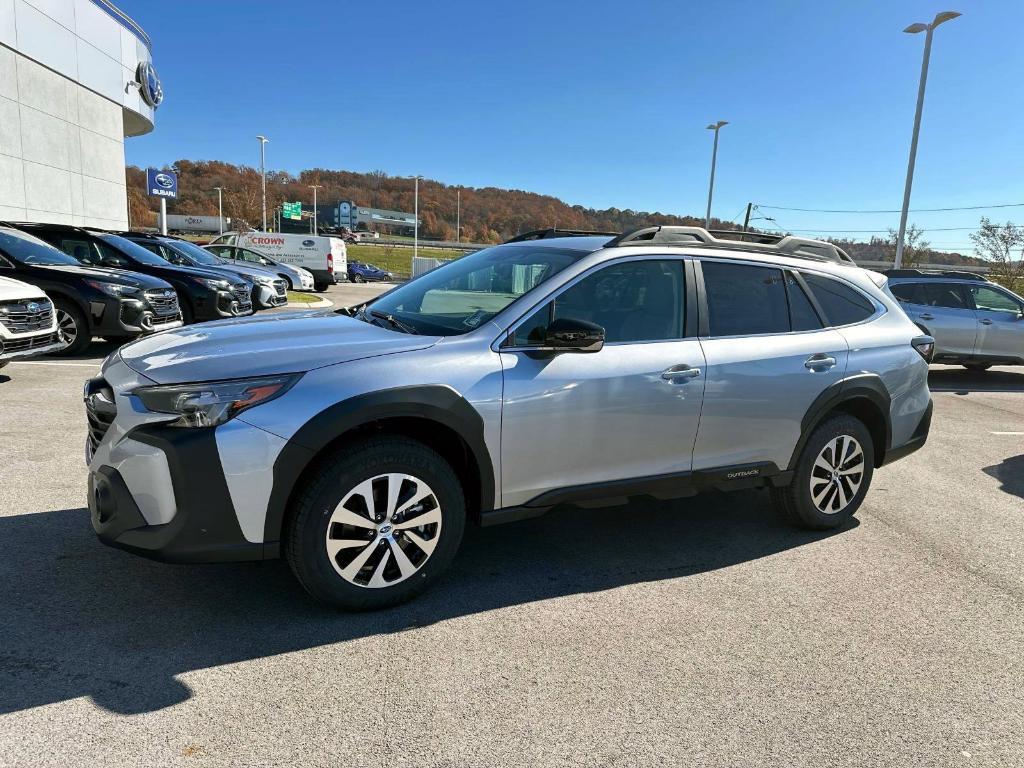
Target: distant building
x: 359, y: 218
x: 76, y: 78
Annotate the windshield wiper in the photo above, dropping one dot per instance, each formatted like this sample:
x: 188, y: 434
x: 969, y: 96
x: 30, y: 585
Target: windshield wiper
x: 393, y: 321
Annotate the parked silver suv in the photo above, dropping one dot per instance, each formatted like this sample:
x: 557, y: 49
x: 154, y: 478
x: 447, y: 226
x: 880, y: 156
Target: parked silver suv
x: 975, y: 323
x: 545, y: 371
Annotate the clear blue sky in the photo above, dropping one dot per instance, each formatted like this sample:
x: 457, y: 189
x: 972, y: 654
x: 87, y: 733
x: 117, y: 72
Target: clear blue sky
x: 604, y: 103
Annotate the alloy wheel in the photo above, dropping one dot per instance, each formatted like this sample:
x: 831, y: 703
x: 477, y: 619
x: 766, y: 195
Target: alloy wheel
x: 67, y: 330
x: 837, y: 474
x: 384, y: 530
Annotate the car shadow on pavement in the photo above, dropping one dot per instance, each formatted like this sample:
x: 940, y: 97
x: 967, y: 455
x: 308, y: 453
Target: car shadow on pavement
x: 83, y: 619
x: 960, y: 381
x: 1010, y: 473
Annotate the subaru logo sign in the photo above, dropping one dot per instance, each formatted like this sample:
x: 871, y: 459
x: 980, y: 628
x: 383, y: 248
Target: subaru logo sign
x: 150, y: 87
x: 161, y: 184
x: 33, y: 307
x: 309, y: 243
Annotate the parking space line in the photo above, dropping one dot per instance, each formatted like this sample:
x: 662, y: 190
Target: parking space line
x: 47, y: 362
x: 1008, y: 433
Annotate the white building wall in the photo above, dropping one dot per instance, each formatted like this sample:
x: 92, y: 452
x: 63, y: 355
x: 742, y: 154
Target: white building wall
x: 66, y: 104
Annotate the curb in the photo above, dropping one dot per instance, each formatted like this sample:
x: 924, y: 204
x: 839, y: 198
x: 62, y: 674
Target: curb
x: 321, y: 304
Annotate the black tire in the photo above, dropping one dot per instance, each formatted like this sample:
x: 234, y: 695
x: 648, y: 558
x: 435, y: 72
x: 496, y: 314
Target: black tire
x: 309, y: 519
x: 357, y: 278
x: 979, y: 367
x: 319, y: 287
x: 188, y: 315
x: 69, y: 312
x: 795, y: 500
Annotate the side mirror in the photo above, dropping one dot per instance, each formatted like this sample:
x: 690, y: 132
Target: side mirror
x: 567, y: 334
x: 114, y: 261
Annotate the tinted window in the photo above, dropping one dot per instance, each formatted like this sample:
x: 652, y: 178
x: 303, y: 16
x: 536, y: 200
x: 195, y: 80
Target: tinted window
x: 136, y: 251
x: 745, y: 300
x: 530, y: 332
x: 949, y: 295
x: 990, y: 299
x: 909, y: 293
x: 801, y: 312
x: 31, y: 250
x: 194, y: 252
x: 635, y: 301
x: 842, y: 304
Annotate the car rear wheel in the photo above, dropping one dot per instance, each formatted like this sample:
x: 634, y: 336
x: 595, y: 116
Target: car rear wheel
x: 357, y: 278
x: 833, y: 474
x: 977, y: 366
x: 72, y: 327
x: 378, y: 524
x: 319, y: 287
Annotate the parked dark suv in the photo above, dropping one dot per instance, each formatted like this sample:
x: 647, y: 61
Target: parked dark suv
x: 90, y: 301
x: 204, y: 294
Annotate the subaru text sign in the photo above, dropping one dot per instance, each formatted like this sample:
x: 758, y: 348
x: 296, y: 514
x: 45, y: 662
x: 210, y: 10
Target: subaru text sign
x: 161, y: 184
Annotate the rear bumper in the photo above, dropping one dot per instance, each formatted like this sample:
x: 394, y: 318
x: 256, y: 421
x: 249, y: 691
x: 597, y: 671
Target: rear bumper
x: 916, y: 441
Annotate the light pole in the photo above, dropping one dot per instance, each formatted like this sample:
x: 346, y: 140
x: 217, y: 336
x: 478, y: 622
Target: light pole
x: 220, y: 209
x: 716, y: 127
x: 940, y: 18
x: 315, y: 187
x: 263, y: 176
x: 458, y: 215
x: 416, y: 219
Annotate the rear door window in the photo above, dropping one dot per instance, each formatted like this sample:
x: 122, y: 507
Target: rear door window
x: 802, y: 315
x: 948, y: 295
x: 745, y: 300
x: 841, y: 304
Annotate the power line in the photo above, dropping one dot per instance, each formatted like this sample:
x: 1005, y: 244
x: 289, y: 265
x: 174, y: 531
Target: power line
x: 881, y: 231
x: 896, y: 210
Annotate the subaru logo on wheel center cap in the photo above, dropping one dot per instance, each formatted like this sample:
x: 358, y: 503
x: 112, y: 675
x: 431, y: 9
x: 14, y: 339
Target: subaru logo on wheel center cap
x: 385, y: 529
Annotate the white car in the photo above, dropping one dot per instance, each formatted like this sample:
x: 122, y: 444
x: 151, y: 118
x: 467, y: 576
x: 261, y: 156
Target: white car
x: 28, y: 324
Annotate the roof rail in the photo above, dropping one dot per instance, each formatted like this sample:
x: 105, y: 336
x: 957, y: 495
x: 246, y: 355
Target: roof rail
x: 788, y: 245
x: 935, y: 274
x: 544, y: 234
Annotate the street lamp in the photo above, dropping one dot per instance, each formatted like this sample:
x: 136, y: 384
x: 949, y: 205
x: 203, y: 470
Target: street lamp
x: 716, y: 127
x: 416, y: 219
x: 315, y: 187
x: 220, y: 208
x: 263, y: 176
x: 458, y: 215
x: 913, y: 29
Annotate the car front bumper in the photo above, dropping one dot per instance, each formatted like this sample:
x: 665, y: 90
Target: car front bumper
x: 20, y: 347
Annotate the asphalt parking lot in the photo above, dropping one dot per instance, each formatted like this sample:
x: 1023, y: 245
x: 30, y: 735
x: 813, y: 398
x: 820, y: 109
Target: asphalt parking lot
x: 701, y: 632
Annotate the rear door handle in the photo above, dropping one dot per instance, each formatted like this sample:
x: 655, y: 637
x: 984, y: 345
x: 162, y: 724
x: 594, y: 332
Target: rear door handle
x: 819, y: 362
x: 927, y: 316
x: 985, y: 321
x: 682, y: 371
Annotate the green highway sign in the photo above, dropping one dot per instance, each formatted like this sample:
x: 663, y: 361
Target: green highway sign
x: 292, y: 210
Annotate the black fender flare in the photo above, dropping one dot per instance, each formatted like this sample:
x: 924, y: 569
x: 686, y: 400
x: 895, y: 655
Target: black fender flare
x: 435, y: 403
x: 863, y: 386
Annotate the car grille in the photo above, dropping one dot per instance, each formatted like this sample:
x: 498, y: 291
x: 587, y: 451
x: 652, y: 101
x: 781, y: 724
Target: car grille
x: 281, y: 288
x: 100, y: 409
x: 242, y: 294
x: 26, y: 316
x: 164, y: 304
x: 24, y: 345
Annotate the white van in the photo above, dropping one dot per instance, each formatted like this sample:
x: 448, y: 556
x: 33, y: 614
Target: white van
x: 325, y: 257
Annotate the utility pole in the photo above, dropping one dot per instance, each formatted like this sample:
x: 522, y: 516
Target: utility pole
x: 458, y: 214
x: 914, y: 29
x: 746, y: 219
x: 716, y: 127
x: 416, y: 220
x: 220, y: 209
x: 315, y: 187
x: 263, y: 176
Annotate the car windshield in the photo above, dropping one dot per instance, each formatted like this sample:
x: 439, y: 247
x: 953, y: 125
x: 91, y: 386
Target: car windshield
x: 463, y: 294
x: 194, y: 252
x: 29, y: 249
x: 134, y: 250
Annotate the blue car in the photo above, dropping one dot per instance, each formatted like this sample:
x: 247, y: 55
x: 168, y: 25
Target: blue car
x: 367, y: 273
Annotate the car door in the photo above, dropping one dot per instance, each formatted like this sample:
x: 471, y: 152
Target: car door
x: 628, y: 411
x: 1000, y: 322
x: 769, y: 353
x: 944, y: 310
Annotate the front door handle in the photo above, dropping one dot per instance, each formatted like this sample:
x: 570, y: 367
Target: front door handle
x: 927, y: 316
x: 985, y: 321
x: 677, y: 372
x: 819, y: 362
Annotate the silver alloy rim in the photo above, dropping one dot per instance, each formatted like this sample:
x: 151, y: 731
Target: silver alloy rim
x: 66, y: 328
x: 837, y: 475
x: 384, y: 530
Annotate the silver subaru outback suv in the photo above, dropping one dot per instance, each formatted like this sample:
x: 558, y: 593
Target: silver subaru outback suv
x: 545, y: 371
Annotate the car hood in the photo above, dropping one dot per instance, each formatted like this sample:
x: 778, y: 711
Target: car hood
x: 105, y: 275
x: 238, y: 269
x: 263, y: 345
x: 15, y: 289
x: 209, y: 273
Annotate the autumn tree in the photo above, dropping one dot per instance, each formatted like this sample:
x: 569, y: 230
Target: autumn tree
x: 996, y: 243
x: 915, y: 247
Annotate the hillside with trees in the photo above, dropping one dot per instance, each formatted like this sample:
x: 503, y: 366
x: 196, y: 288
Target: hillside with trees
x: 489, y: 214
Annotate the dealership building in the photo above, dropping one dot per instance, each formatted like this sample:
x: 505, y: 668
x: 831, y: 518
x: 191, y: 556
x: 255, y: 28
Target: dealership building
x: 76, y: 79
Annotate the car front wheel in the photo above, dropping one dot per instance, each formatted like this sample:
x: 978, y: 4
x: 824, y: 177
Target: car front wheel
x: 72, y: 328
x: 378, y: 524
x: 832, y: 475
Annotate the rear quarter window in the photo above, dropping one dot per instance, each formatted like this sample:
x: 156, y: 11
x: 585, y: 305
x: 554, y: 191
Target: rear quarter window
x: 841, y: 304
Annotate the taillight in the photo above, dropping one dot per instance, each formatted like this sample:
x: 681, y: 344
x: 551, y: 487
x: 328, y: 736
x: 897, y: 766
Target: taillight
x: 330, y: 262
x: 925, y: 346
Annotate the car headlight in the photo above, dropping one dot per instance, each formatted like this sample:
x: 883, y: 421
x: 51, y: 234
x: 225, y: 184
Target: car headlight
x: 116, y: 290
x: 211, y: 403
x: 261, y: 279
x: 213, y: 285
